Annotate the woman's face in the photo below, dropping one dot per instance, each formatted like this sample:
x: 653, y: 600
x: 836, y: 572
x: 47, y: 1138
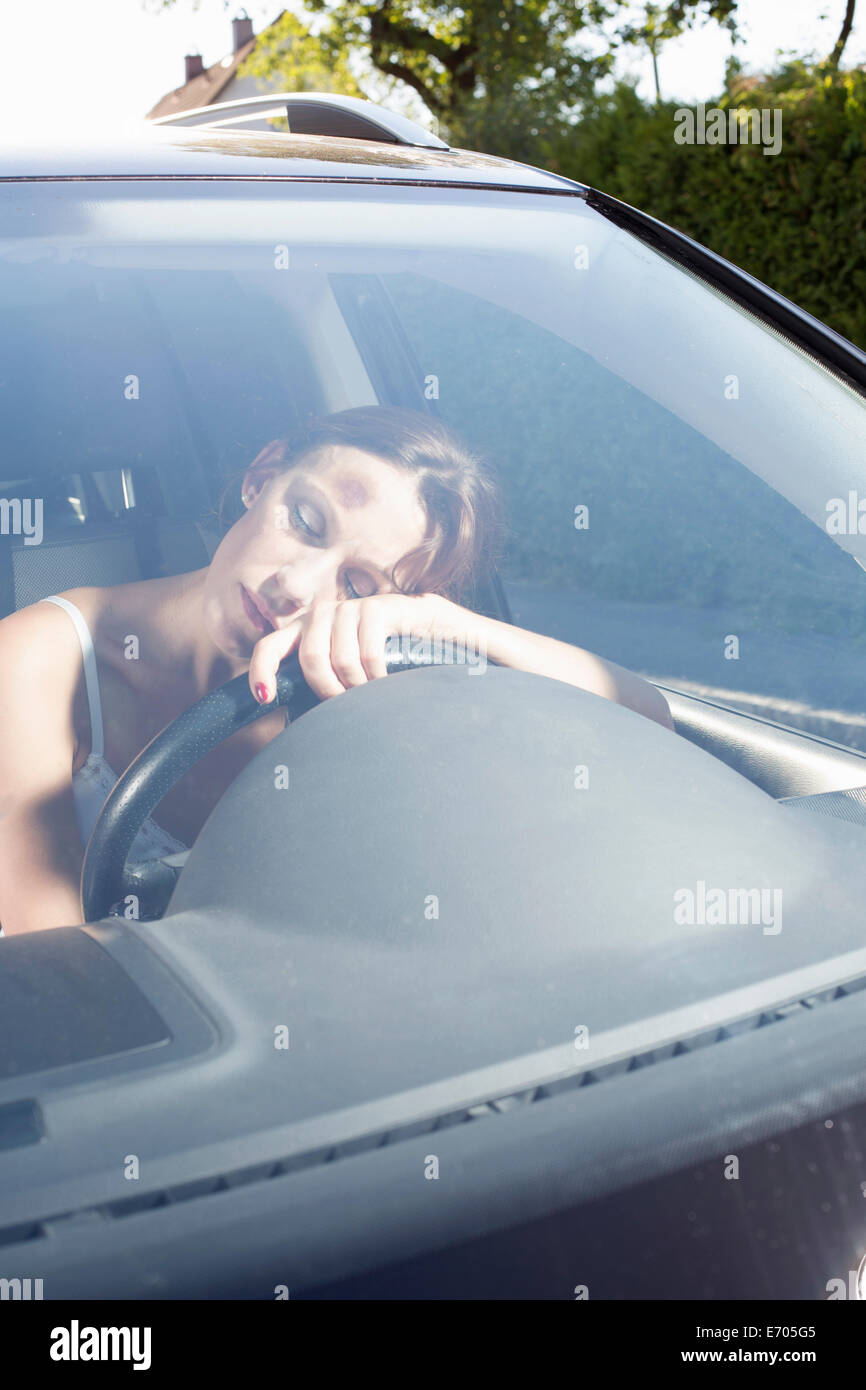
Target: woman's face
x: 332, y: 527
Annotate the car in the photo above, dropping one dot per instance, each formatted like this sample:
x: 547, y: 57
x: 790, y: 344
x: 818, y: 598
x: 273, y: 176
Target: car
x: 513, y: 993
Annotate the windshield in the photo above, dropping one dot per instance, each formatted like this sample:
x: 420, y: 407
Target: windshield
x: 682, y: 484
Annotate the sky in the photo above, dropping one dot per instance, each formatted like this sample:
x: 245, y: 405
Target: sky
x: 71, y: 63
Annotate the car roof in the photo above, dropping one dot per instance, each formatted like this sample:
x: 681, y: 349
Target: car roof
x: 148, y: 151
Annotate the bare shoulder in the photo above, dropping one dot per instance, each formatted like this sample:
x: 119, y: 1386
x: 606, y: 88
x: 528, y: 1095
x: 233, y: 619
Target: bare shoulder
x: 39, y: 644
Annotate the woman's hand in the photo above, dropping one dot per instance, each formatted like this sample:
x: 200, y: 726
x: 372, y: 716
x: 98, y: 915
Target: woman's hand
x: 342, y: 643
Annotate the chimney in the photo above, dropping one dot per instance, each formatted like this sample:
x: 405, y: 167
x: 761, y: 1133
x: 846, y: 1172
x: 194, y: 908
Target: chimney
x: 242, y: 31
x: 193, y: 66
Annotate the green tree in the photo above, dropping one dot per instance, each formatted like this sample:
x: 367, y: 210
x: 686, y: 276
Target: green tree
x: 506, y: 76
x: 660, y: 23
x: 844, y: 34
x: 796, y: 221
x: 288, y: 50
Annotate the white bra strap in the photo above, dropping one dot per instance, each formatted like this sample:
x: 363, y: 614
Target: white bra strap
x: 91, y: 675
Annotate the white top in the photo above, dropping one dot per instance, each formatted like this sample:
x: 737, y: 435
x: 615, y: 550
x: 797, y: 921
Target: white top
x: 94, y: 780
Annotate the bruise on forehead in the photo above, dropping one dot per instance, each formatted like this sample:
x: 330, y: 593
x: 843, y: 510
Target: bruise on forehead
x: 351, y: 491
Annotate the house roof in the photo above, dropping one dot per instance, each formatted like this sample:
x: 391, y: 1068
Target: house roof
x: 206, y: 88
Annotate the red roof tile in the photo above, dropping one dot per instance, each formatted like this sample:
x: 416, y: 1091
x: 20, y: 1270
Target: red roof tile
x: 204, y: 89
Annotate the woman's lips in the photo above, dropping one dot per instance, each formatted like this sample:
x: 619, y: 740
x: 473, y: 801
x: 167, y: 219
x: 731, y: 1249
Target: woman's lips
x: 255, y: 615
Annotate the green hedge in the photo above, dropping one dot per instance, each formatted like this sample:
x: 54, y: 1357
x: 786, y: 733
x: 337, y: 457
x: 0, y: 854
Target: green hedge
x: 796, y: 220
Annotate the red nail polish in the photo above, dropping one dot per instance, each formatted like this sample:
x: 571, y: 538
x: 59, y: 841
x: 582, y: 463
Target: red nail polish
x: 261, y: 693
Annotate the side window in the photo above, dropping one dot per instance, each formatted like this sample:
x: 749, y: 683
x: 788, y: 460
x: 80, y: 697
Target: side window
x: 130, y: 394
x: 177, y: 377
x: 633, y: 535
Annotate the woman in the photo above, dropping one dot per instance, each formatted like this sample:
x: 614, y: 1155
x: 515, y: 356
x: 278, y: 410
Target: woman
x: 363, y: 525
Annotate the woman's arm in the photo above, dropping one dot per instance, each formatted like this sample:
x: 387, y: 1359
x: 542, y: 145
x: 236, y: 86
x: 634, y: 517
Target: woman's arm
x: 341, y: 644
x: 40, y: 848
x: 546, y: 656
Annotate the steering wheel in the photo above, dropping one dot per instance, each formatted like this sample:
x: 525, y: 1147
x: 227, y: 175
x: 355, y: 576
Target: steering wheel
x: 168, y: 756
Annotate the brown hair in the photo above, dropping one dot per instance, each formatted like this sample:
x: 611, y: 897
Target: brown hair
x: 456, y: 487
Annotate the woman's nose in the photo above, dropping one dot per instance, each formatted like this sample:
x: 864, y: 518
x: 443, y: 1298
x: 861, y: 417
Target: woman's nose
x: 311, y: 577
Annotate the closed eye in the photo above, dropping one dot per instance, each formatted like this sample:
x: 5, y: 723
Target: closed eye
x: 368, y: 591
x: 300, y: 522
